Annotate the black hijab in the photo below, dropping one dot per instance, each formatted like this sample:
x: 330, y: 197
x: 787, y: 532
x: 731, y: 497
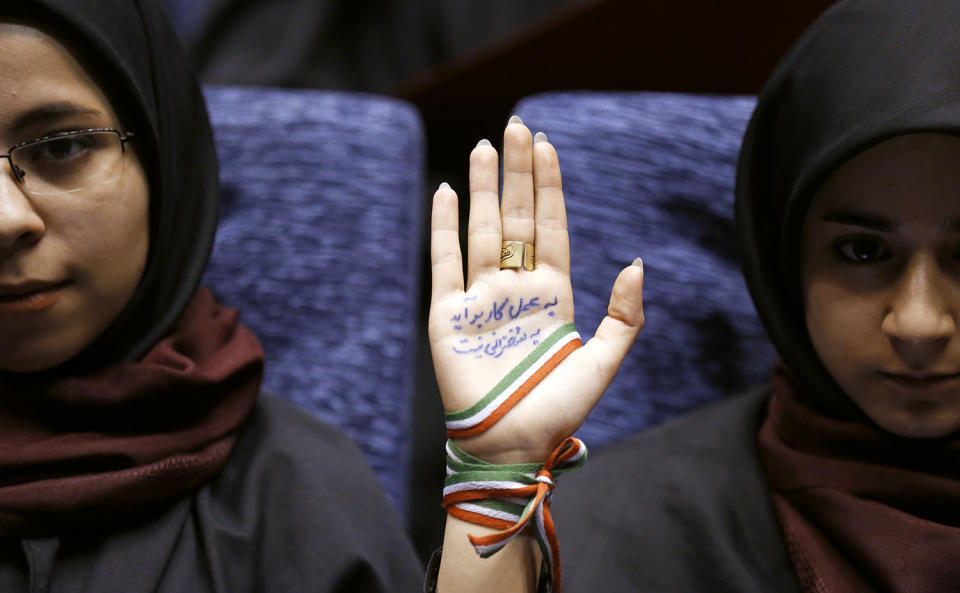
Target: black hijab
x: 866, y: 71
x: 135, y: 53
x: 860, y: 509
x: 152, y: 409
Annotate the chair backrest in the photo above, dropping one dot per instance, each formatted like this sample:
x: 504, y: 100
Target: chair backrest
x: 187, y: 15
x: 651, y: 175
x: 319, y: 246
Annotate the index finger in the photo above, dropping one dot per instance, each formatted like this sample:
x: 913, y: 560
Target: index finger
x: 446, y: 262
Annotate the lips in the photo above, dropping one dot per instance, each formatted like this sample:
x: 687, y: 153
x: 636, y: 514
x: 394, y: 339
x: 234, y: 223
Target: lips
x: 30, y: 296
x: 20, y: 289
x: 922, y: 380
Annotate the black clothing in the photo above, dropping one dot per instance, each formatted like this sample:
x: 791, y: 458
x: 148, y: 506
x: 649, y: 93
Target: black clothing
x: 340, y: 44
x: 275, y: 519
x: 681, y: 508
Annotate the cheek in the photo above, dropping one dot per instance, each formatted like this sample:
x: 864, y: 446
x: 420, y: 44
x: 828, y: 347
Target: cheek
x: 820, y: 317
x: 112, y: 240
x: 843, y: 328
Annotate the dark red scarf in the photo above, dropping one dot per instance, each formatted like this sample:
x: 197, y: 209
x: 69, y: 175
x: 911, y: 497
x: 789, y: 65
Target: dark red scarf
x: 130, y: 438
x: 862, y: 510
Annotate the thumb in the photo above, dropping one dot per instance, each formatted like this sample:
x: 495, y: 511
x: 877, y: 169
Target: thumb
x: 623, y: 322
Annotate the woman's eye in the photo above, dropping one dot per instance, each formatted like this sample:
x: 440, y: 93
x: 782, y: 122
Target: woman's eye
x: 861, y: 250
x: 61, y: 150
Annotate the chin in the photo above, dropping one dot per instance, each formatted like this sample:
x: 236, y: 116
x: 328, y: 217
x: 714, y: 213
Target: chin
x: 37, y: 356
x: 929, y: 422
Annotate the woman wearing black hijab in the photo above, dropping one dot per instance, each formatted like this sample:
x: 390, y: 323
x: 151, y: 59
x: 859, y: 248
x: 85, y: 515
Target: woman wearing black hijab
x: 842, y: 474
x: 135, y: 451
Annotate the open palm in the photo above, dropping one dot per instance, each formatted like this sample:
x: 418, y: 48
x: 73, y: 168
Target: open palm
x: 479, y: 334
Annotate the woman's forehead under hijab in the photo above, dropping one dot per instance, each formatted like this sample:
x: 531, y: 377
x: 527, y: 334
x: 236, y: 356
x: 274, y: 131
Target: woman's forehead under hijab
x: 15, y: 38
x: 41, y: 34
x: 908, y: 184
x: 17, y: 27
x: 866, y: 71
x: 31, y: 57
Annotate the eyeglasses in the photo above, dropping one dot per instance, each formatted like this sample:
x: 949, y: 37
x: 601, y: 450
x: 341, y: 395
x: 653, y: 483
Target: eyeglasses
x: 69, y: 161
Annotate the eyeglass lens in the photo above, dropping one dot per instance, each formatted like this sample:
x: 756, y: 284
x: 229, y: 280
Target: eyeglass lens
x: 70, y: 163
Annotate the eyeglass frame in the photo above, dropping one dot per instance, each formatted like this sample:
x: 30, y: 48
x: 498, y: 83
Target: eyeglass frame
x: 19, y: 173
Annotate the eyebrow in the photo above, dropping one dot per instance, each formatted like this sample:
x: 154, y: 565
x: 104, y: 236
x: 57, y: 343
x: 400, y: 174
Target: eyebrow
x: 50, y: 112
x: 877, y: 223
x: 867, y: 221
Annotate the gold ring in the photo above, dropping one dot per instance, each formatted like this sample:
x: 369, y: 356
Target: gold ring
x: 517, y: 254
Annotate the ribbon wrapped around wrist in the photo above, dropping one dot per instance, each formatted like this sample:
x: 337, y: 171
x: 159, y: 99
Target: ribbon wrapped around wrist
x: 508, y: 497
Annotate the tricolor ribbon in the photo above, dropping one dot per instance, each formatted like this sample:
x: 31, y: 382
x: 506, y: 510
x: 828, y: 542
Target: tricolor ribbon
x: 507, y: 497
x: 515, y: 386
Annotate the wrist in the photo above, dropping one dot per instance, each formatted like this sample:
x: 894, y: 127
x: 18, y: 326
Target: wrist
x: 508, y: 499
x: 500, y: 451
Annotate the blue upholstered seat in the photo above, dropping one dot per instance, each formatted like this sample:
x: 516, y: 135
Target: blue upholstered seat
x: 651, y: 175
x: 186, y: 15
x: 319, y: 246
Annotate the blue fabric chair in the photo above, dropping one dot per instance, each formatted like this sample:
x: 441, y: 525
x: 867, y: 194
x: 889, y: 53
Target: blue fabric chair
x: 319, y: 246
x: 187, y: 15
x: 651, y: 175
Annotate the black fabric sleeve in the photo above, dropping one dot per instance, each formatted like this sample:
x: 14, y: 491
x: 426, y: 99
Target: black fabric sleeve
x: 300, y: 501
x: 681, y: 507
x: 295, y: 509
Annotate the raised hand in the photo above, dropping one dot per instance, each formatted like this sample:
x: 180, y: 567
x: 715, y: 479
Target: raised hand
x: 481, y: 330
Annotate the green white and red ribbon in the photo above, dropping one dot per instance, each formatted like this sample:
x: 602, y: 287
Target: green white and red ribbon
x: 512, y: 498
x: 515, y: 386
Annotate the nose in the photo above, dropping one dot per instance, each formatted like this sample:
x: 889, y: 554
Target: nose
x: 20, y: 223
x: 922, y: 314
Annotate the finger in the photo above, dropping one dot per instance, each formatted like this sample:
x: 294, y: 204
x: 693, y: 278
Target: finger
x: 620, y: 327
x: 446, y: 263
x: 483, y: 229
x: 516, y: 209
x: 553, y: 242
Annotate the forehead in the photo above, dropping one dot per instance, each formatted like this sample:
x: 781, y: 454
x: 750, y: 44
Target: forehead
x: 914, y: 177
x: 36, y: 69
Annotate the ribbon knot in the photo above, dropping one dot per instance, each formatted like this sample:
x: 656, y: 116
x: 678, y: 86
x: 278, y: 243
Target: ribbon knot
x: 546, y: 477
x: 511, y: 498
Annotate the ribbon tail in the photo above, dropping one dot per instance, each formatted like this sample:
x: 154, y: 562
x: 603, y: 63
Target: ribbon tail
x: 549, y: 545
x: 488, y: 545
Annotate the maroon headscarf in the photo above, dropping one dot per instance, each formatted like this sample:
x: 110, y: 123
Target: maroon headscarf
x: 861, y: 509
x: 127, y: 438
x: 152, y: 408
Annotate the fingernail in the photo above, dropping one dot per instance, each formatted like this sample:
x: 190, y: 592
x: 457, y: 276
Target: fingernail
x: 514, y: 119
x: 638, y: 262
x: 484, y: 142
x: 539, y: 137
x: 444, y: 185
